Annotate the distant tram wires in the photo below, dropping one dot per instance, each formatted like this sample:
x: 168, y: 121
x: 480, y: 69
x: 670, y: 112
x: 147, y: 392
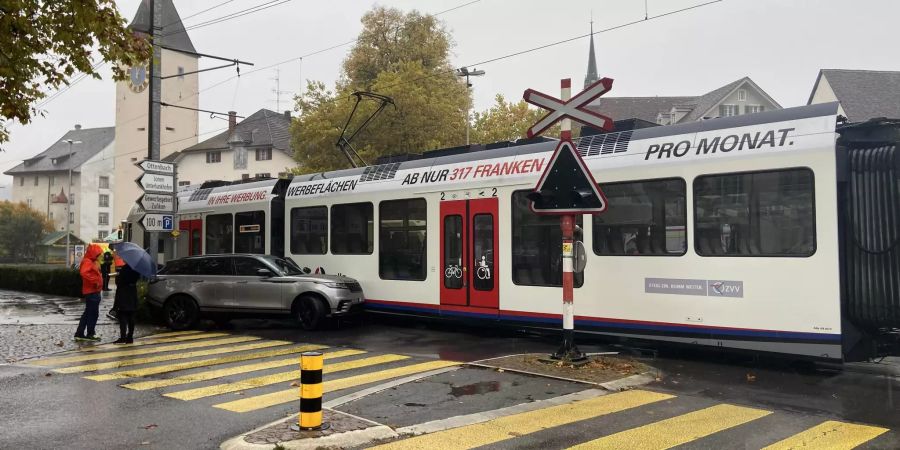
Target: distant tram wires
x: 230, y: 16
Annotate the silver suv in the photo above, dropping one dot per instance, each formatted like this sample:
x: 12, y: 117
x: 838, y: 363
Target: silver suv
x: 221, y: 287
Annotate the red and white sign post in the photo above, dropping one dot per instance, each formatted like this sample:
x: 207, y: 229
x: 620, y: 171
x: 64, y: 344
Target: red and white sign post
x: 567, y: 187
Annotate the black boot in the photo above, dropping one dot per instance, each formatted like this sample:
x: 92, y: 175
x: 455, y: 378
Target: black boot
x: 122, y: 341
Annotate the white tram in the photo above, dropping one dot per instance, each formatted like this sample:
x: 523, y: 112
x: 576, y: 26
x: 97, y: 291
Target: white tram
x: 731, y: 232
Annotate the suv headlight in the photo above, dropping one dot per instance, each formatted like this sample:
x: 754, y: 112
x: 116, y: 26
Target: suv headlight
x: 335, y: 284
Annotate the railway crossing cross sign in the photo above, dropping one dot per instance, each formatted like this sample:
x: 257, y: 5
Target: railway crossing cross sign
x: 574, y: 108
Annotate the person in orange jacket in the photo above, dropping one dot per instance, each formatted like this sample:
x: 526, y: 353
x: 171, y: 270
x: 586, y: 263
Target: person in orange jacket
x: 91, y: 285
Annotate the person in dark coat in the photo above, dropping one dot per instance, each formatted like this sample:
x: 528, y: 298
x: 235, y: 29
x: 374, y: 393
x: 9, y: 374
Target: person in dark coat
x: 126, y: 302
x: 105, y: 264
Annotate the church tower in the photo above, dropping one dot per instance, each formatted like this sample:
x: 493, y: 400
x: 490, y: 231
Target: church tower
x: 591, y: 76
x: 178, y: 127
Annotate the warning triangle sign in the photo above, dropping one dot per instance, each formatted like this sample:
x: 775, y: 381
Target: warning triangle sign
x: 567, y: 186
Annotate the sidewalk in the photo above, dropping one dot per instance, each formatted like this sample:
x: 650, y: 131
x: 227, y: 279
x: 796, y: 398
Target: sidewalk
x: 37, y: 324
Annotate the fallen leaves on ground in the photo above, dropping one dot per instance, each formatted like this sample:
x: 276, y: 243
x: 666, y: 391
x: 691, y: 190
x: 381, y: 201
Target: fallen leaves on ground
x: 150, y: 427
x: 751, y: 378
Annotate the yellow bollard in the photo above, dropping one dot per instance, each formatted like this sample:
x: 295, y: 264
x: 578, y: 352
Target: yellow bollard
x: 311, y: 364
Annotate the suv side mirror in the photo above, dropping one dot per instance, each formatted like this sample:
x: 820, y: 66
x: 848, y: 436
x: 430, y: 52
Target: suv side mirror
x: 266, y: 273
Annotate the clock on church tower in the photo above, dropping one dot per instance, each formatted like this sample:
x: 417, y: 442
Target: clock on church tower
x: 137, y: 78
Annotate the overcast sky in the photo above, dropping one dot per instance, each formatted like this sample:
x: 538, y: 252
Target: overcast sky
x: 780, y: 44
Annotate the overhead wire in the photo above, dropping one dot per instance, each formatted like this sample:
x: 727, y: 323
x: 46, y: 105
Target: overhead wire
x: 230, y: 16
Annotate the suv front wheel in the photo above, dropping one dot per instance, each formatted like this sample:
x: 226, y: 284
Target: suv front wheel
x: 181, y: 312
x: 309, y: 312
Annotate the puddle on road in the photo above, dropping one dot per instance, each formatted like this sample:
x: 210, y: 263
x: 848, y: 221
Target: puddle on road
x: 482, y: 387
x: 25, y: 308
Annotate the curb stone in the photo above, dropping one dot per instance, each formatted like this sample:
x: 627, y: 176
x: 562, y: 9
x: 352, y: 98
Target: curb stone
x: 339, y: 440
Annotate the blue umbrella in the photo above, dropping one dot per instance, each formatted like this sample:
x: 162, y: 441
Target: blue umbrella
x: 136, y: 257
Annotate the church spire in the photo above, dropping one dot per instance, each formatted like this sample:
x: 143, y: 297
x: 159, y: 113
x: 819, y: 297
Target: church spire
x: 591, y: 76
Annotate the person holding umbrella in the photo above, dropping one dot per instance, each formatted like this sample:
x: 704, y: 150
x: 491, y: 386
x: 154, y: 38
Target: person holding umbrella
x: 126, y: 303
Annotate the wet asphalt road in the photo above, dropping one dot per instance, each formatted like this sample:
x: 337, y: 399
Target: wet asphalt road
x: 67, y: 411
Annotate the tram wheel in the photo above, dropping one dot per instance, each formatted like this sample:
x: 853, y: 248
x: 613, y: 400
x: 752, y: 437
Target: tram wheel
x: 310, y: 312
x: 181, y: 312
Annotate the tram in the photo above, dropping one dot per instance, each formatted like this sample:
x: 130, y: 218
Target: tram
x: 774, y: 232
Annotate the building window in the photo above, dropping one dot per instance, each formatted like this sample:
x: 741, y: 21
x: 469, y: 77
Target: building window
x: 536, y: 253
x: 21, y: 181
x: 35, y: 180
x: 102, y: 234
x: 71, y: 198
x: 180, y: 73
x: 251, y: 232
x: 402, y: 239
x: 352, y: 229
x: 644, y: 218
x: 752, y: 109
x: 104, y: 182
x: 219, y: 228
x: 104, y: 200
x: 51, y: 215
x: 755, y: 214
x: 184, y: 183
x: 742, y: 95
x: 245, y: 176
x: 728, y: 110
x: 309, y: 230
x: 213, y: 157
x: 28, y: 202
x: 264, y: 175
x: 103, y: 219
x: 52, y: 180
x: 71, y: 217
x: 263, y: 154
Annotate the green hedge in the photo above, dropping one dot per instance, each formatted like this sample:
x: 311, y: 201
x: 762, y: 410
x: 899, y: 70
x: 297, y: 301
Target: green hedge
x: 61, y: 281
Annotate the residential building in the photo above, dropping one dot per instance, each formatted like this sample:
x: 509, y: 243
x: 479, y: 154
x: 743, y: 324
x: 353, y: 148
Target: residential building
x: 178, y: 127
x: 42, y: 182
x: 863, y: 94
x: 258, y: 146
x: 739, y: 97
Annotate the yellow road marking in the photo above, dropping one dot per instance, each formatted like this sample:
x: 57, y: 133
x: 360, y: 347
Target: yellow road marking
x: 203, y: 362
x: 830, y: 435
x: 290, y: 395
x: 170, y: 334
x: 219, y: 373
x: 142, y: 342
x: 504, y: 428
x: 677, y: 430
x: 193, y: 394
x: 142, y: 351
x: 169, y: 357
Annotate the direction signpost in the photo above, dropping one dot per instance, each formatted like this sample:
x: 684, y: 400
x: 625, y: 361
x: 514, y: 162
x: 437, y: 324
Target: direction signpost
x: 158, y: 182
x: 567, y: 188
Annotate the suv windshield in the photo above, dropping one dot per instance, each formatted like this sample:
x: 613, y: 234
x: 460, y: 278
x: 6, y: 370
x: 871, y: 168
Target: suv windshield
x: 285, y: 266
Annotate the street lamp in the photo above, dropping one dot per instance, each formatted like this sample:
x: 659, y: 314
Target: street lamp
x: 69, y: 200
x: 465, y: 72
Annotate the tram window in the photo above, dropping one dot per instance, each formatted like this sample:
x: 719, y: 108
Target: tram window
x: 352, y: 229
x: 309, y: 230
x: 483, y: 243
x: 251, y: 232
x: 644, y: 218
x: 453, y: 245
x: 755, y: 214
x: 537, y: 246
x: 402, y: 239
x: 219, y: 231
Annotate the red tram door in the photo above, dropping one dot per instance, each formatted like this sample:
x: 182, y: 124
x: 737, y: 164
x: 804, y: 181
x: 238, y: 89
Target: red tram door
x: 193, y: 234
x: 469, y: 256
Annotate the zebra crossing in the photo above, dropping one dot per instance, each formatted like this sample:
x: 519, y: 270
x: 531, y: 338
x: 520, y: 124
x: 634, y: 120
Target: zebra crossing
x: 243, y: 374
x: 169, y: 362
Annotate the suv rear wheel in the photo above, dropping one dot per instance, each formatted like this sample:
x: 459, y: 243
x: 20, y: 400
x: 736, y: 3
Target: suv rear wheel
x: 182, y: 312
x: 309, y: 312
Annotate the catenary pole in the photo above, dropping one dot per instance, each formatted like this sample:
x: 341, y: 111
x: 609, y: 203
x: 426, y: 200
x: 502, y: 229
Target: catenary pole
x: 154, y: 105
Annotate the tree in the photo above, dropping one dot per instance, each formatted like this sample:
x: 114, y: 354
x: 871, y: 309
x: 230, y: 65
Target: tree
x: 404, y: 56
x: 21, y: 228
x: 43, y: 43
x: 507, y: 121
